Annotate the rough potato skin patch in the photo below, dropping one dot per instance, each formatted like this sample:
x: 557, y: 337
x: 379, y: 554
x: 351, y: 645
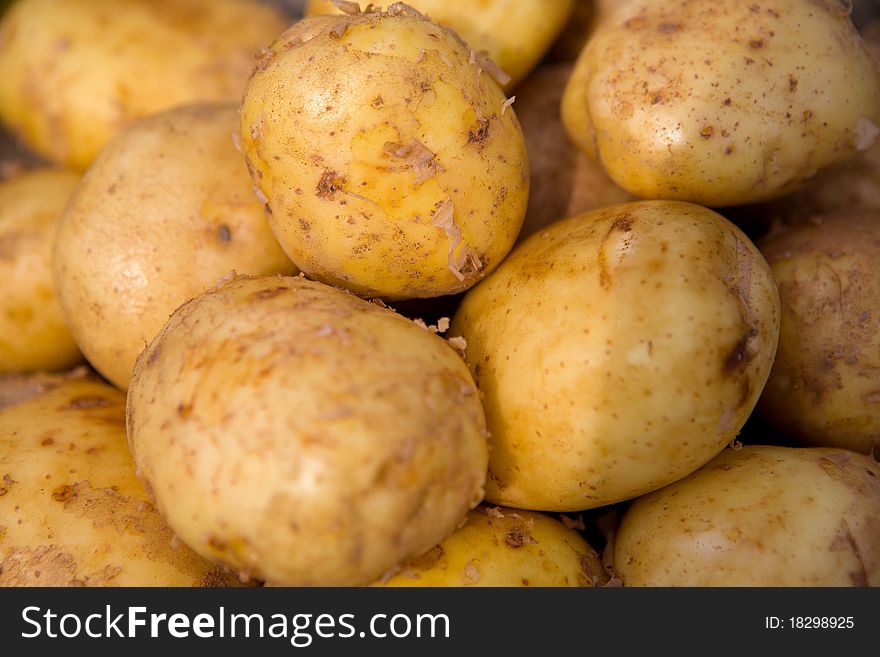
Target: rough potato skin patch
x: 73, y: 511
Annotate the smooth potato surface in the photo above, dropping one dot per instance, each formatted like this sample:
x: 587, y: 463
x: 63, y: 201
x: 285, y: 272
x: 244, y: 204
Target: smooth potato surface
x: 723, y: 103
x: 73, y: 73
x: 618, y: 351
x: 760, y: 516
x: 514, y: 33
x: 505, y: 547
x: 305, y: 436
x: 166, y: 210
x: 72, y: 512
x: 389, y: 159
x: 824, y: 389
x: 33, y: 333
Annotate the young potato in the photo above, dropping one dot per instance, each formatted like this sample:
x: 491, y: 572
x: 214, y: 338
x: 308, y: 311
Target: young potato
x: 722, y: 103
x: 33, y: 335
x: 73, y: 73
x: 305, y: 436
x: 758, y: 516
x: 390, y: 161
x: 564, y: 180
x: 72, y: 512
x: 505, y: 547
x: 515, y: 34
x: 166, y: 209
x: 618, y: 351
x: 849, y: 186
x: 824, y: 389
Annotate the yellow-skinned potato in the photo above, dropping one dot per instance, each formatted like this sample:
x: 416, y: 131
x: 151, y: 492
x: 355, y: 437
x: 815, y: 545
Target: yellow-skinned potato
x: 618, y: 351
x: 305, y: 436
x: 389, y: 159
x: 514, y: 33
x: 72, y: 512
x: 564, y: 180
x: 849, y: 186
x: 758, y: 516
x: 73, y: 73
x: 722, y: 103
x: 505, y: 547
x: 33, y: 335
x: 824, y: 389
x: 166, y: 210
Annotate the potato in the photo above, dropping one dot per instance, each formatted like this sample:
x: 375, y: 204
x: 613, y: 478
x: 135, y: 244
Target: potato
x: 505, y: 547
x: 514, y: 33
x: 722, y: 103
x: 33, y: 335
x: 848, y: 186
x: 390, y: 161
x: 759, y: 516
x: 305, y: 436
x: 166, y: 210
x: 73, y: 73
x: 824, y: 389
x: 72, y: 512
x: 618, y: 351
x: 564, y: 180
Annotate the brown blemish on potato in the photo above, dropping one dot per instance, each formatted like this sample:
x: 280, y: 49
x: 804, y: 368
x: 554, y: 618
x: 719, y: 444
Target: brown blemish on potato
x: 844, y: 540
x: 62, y: 493
x: 516, y: 537
x: 756, y: 44
x: 740, y: 355
x: 480, y: 133
x: 668, y: 28
x: 330, y: 183
x: 707, y: 131
x: 215, y: 577
x: 6, y: 486
x: 85, y: 403
x: 622, y: 223
x: 267, y: 294
x: 47, y: 565
x: 224, y: 234
x: 591, y: 572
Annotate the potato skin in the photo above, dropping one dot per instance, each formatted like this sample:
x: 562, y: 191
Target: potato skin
x: 514, y: 33
x: 68, y: 82
x: 824, y: 389
x: 564, y: 180
x: 72, y: 512
x: 305, y: 436
x: 33, y: 335
x: 505, y: 547
x: 373, y: 159
x: 618, y: 351
x: 850, y: 186
x: 759, y: 516
x: 165, y: 211
x: 744, y: 120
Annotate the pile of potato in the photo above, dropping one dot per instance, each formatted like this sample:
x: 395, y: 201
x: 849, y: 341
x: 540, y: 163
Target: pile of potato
x: 508, y: 293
